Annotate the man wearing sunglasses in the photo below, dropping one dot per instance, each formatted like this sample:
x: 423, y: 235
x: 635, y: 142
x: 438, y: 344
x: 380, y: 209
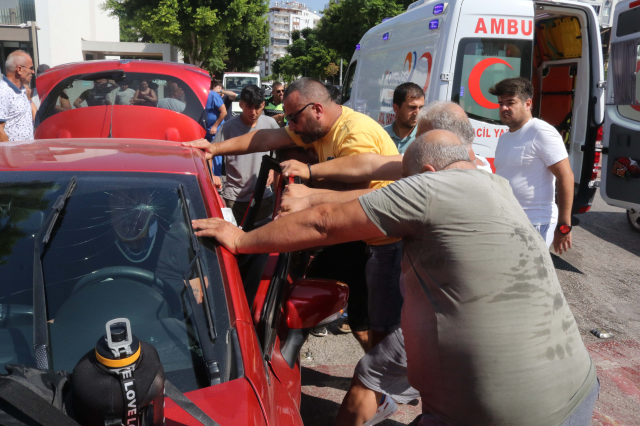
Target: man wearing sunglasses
x: 274, y: 107
x: 16, y: 116
x: 334, y: 131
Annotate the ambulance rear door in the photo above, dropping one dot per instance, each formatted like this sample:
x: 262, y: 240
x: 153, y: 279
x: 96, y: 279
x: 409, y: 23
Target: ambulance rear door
x: 620, y: 178
x: 493, y: 41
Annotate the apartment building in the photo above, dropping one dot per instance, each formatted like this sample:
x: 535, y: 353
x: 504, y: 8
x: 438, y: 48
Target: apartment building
x: 284, y: 17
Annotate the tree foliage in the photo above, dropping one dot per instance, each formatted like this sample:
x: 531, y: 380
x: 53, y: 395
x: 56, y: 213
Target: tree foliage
x: 306, y: 57
x: 344, y: 23
x: 213, y: 34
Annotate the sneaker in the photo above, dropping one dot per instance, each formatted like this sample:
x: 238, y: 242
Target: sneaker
x: 344, y: 328
x: 385, y: 410
x: 319, y: 331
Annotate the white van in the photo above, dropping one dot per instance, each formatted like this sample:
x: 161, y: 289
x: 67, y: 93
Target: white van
x: 457, y: 49
x: 236, y: 81
x: 620, y: 179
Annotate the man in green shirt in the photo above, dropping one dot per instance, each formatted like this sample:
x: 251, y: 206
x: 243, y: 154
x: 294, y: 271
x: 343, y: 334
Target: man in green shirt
x: 408, y: 100
x: 274, y: 107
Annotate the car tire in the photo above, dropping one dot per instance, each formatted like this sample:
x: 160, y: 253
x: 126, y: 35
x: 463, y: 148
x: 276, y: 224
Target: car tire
x: 633, y: 217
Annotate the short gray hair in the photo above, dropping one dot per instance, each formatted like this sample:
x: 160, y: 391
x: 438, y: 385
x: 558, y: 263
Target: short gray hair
x: 438, y: 152
x: 14, y: 60
x: 447, y: 115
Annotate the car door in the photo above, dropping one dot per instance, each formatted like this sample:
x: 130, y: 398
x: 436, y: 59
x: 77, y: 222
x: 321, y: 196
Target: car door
x: 620, y: 179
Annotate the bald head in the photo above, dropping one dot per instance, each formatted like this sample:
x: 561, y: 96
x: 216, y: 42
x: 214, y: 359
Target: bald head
x: 15, y: 59
x: 309, y: 90
x: 435, y: 151
x: 446, y: 115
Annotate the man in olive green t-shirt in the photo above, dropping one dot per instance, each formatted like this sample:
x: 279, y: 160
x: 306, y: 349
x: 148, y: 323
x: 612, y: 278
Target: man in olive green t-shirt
x: 490, y: 338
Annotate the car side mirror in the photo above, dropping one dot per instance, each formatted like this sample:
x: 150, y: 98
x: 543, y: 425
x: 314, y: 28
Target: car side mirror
x: 313, y: 302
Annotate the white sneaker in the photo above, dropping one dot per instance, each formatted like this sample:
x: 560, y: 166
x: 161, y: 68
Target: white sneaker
x: 385, y: 410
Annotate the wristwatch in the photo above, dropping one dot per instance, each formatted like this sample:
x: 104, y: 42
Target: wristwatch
x: 564, y: 228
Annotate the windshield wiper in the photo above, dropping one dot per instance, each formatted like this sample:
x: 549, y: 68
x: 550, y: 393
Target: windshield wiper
x: 40, y: 329
x: 207, y: 351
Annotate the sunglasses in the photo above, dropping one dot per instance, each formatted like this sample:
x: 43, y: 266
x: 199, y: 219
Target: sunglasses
x: 279, y: 91
x: 292, y: 117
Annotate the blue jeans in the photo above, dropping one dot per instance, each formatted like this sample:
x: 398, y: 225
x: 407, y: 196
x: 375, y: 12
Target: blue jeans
x: 383, y: 286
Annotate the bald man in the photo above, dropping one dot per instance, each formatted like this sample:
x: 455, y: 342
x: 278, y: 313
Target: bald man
x: 16, y: 115
x: 489, y: 336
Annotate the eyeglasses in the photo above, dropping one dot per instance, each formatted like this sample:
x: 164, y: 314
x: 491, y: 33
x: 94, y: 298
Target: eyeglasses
x: 292, y: 117
x: 279, y: 91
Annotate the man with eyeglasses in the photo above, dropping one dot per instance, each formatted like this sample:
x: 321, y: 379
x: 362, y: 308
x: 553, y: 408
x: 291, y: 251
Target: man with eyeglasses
x: 16, y: 117
x: 274, y: 107
x: 334, y: 131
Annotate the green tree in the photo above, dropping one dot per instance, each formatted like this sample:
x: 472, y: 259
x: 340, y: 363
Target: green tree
x: 331, y: 70
x: 344, y: 23
x: 213, y: 34
x: 306, y: 57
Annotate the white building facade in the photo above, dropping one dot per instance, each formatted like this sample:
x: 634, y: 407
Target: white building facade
x: 64, y: 24
x: 284, y: 17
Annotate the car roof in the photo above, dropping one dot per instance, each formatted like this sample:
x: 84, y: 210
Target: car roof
x: 190, y: 74
x: 100, y: 155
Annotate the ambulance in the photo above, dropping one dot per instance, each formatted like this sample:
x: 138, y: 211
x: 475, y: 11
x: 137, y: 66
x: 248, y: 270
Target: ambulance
x: 620, y: 177
x: 457, y: 49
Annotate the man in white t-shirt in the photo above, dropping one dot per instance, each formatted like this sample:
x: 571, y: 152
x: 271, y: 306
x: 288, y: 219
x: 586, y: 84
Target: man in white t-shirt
x: 124, y: 94
x: 531, y: 156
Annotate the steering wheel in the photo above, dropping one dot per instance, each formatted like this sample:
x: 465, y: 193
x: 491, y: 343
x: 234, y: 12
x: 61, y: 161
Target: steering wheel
x: 137, y: 274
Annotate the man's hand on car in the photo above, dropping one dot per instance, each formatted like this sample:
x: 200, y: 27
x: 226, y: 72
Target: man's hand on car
x: 270, y: 178
x: 217, y: 182
x: 226, y: 233
x: 294, y: 168
x: 204, y: 145
x: 561, y: 242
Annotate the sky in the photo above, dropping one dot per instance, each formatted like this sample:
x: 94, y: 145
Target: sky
x: 317, y: 5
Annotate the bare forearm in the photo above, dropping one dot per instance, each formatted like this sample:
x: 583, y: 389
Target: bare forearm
x: 3, y: 135
x: 565, y: 199
x: 258, y: 141
x: 327, y: 197
x: 323, y: 225
x: 359, y: 168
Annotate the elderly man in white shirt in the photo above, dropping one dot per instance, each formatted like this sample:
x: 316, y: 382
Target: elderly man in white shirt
x: 16, y: 115
x: 531, y: 156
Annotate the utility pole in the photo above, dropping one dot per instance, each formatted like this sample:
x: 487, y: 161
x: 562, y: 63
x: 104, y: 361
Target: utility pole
x: 340, y: 72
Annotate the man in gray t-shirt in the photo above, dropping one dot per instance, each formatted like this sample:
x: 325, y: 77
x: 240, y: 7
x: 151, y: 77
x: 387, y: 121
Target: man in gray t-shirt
x: 490, y: 339
x: 242, y: 170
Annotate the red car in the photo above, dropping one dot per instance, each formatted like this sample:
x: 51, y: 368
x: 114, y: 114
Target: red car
x: 122, y: 99
x: 122, y: 248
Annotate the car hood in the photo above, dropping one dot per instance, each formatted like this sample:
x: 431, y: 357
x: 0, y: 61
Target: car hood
x: 231, y: 403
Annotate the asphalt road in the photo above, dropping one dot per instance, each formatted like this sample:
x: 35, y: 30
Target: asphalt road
x: 600, y: 277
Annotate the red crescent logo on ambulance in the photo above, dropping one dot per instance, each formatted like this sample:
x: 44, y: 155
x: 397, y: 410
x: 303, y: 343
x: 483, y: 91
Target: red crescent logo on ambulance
x: 474, y: 81
x: 426, y: 55
x: 409, y: 59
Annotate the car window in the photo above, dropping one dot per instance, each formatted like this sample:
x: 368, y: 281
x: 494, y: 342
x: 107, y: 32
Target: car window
x: 348, y: 82
x: 501, y: 59
x: 137, y: 89
x: 239, y: 83
x: 121, y: 249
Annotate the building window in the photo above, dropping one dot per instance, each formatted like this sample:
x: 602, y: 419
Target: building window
x: 606, y: 11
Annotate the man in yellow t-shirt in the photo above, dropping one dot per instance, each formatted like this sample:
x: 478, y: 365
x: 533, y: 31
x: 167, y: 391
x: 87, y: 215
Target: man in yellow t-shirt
x: 334, y: 131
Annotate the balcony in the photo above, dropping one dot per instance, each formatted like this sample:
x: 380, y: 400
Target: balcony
x: 18, y: 12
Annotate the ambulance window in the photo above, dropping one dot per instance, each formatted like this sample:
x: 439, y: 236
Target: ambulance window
x: 471, y: 83
x: 628, y: 22
x: 348, y: 82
